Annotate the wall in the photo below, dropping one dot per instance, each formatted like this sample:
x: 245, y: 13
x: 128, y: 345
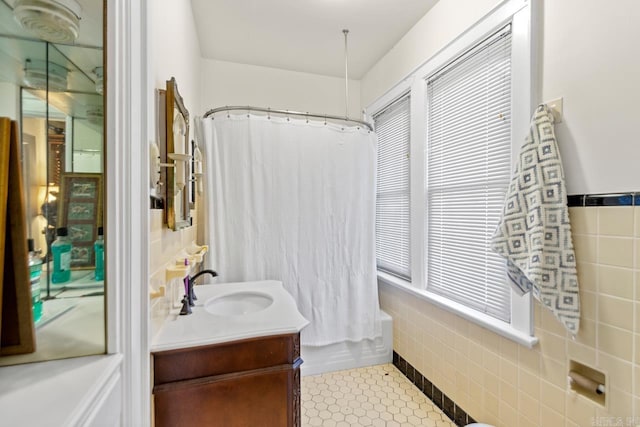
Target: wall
x: 588, y: 60
x: 36, y: 152
x: 173, y: 51
x: 505, y: 384
x: 585, y: 58
x: 87, y: 147
x: 9, y: 91
x: 228, y: 83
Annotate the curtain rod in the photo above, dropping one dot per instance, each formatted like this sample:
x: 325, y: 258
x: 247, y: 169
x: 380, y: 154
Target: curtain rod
x: 286, y: 113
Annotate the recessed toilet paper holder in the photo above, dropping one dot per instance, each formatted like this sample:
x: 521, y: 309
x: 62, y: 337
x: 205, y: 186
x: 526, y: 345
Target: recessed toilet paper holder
x: 587, y: 382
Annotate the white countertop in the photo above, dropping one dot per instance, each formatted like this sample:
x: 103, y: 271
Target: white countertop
x: 203, y: 328
x: 54, y: 393
x: 77, y: 329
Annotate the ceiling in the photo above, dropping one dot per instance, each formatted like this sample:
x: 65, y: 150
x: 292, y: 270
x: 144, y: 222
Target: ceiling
x: 17, y: 46
x: 304, y: 35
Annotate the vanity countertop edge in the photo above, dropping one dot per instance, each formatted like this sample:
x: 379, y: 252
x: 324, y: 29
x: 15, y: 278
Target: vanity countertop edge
x: 203, y: 328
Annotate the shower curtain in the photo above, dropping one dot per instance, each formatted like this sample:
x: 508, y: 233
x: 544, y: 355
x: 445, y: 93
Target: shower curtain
x: 295, y: 201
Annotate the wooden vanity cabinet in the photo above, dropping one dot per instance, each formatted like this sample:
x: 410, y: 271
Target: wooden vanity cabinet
x: 252, y: 382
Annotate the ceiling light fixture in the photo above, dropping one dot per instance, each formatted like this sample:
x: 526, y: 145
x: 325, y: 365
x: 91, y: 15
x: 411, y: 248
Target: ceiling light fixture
x: 55, y: 21
x: 38, y: 73
x: 99, y: 72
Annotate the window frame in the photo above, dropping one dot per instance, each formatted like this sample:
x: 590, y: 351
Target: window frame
x: 406, y: 95
x: 521, y: 16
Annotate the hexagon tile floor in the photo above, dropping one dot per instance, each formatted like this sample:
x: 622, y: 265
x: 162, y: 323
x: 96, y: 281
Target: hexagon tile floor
x: 371, y: 396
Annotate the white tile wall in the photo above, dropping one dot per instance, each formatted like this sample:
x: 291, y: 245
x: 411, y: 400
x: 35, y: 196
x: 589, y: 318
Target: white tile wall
x: 164, y: 247
x: 501, y: 383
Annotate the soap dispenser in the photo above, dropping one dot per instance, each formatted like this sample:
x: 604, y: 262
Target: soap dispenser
x: 61, y: 249
x: 35, y: 271
x: 98, y: 248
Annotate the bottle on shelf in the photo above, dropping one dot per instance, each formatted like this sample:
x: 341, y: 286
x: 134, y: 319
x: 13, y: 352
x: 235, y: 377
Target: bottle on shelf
x: 61, y: 249
x: 35, y: 271
x: 98, y: 248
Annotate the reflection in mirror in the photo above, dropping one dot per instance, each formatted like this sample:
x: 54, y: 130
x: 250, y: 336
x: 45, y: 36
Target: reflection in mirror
x: 178, y: 150
x: 55, y: 92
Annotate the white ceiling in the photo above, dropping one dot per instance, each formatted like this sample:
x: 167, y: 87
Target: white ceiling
x: 17, y: 46
x: 304, y: 35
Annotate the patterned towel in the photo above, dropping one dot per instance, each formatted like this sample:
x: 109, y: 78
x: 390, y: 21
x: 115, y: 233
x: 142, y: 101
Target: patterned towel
x: 534, y: 234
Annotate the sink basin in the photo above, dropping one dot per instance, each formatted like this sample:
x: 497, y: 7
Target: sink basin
x: 238, y: 303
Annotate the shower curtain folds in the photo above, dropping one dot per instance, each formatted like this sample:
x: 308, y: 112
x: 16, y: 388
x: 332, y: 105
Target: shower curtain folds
x: 294, y: 201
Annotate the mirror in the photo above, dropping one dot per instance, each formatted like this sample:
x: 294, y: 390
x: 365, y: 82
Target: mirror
x: 55, y: 92
x: 179, y: 151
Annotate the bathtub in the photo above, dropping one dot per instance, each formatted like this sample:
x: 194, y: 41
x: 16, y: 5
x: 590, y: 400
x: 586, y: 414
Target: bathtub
x: 350, y: 355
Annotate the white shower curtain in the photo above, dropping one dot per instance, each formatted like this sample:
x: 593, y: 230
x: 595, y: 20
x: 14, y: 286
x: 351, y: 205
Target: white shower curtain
x: 295, y: 201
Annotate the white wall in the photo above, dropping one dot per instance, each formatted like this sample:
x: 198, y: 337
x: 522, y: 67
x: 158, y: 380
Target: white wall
x: 588, y: 58
x: 174, y: 51
x: 228, y: 83
x: 10, y: 105
x: 591, y: 59
x: 441, y: 25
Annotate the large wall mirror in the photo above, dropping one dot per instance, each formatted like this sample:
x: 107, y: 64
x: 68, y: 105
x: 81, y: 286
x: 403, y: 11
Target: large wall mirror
x: 52, y: 83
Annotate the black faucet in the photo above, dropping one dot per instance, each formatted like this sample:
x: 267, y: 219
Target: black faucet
x: 190, y: 297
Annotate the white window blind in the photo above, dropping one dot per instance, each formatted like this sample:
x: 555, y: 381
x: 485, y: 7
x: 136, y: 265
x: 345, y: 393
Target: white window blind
x: 468, y: 170
x: 392, y: 196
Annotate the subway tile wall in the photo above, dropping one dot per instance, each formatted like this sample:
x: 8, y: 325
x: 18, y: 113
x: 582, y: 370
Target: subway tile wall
x: 502, y: 383
x: 164, y: 246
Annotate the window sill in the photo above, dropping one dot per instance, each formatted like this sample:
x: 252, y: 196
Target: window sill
x: 480, y: 319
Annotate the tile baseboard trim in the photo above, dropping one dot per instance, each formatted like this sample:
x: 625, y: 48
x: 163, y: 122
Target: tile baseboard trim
x: 612, y: 199
x: 441, y: 400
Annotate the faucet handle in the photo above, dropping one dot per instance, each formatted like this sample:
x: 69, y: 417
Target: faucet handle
x: 186, y: 308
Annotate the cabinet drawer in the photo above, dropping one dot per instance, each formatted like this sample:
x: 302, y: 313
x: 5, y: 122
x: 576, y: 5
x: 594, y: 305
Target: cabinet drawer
x: 217, y: 359
x: 255, y: 398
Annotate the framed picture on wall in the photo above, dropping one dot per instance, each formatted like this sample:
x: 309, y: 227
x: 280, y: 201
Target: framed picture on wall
x: 80, y: 210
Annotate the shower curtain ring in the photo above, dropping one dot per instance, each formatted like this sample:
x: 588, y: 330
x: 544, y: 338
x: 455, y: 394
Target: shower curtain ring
x: 269, y: 113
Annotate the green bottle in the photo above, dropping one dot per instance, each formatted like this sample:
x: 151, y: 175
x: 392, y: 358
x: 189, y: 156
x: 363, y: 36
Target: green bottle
x: 98, y: 248
x: 35, y: 271
x: 61, y: 249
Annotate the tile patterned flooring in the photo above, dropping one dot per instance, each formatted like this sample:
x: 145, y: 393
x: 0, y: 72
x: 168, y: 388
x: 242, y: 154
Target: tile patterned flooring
x: 371, y: 396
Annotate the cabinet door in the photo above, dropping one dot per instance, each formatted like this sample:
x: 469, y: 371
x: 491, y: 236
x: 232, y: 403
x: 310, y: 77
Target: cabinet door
x: 262, y: 397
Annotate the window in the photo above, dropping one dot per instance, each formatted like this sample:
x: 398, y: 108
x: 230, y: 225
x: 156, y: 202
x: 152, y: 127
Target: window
x: 468, y: 165
x: 392, y: 194
x: 467, y: 113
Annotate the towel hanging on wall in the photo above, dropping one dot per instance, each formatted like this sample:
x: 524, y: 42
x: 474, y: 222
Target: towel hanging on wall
x: 534, y: 234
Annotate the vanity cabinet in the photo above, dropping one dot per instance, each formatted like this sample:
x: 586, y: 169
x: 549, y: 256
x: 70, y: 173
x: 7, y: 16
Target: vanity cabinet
x: 251, y: 382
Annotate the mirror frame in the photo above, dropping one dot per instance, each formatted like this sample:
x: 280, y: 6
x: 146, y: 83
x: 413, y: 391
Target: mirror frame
x: 177, y: 220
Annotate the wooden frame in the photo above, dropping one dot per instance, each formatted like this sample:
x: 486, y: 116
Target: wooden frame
x: 17, y: 330
x: 80, y: 210
x: 177, y: 218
